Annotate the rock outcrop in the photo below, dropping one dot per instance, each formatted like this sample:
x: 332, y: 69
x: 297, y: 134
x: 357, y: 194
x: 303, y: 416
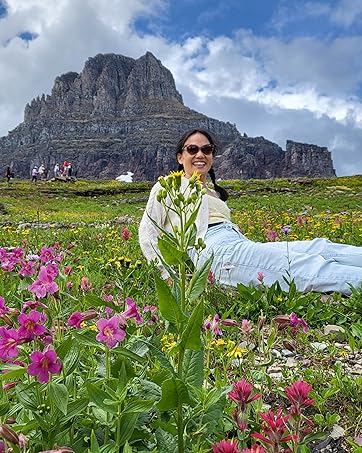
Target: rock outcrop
x: 120, y: 114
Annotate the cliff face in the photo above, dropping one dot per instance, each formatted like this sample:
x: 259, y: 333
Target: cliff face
x: 121, y: 114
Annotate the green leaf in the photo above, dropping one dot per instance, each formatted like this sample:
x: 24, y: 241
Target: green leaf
x: 127, y: 448
x: 128, y: 423
x: 138, y: 406
x: 174, y: 392
x: 94, y: 443
x: 130, y: 354
x: 166, y: 442
x: 168, y: 305
x: 58, y: 393
x: 191, y: 336
x: 160, y: 356
x: 193, y: 367
x: 101, y: 399
x: 4, y: 407
x: 171, y: 254
x: 69, y: 354
x: 74, y: 408
x: 87, y: 338
x: 26, y: 396
x: 12, y: 372
x: 199, y: 280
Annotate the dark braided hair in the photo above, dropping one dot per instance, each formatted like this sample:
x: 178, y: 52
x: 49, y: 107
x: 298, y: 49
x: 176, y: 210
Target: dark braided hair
x: 179, y: 148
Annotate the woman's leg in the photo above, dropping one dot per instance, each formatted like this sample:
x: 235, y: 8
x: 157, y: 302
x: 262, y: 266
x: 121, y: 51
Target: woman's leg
x: 238, y: 260
x: 349, y: 255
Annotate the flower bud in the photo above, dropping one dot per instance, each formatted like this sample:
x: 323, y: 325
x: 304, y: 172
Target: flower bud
x: 9, y: 434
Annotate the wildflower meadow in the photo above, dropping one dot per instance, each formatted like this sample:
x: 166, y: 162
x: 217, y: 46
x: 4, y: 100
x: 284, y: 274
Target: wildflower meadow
x: 99, y: 354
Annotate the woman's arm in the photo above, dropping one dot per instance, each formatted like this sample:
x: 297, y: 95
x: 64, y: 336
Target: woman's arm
x: 148, y: 232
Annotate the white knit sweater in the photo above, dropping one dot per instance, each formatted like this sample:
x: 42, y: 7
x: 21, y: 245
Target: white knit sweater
x: 149, y: 233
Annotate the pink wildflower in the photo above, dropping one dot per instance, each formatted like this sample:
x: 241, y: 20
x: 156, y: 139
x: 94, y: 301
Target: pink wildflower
x: 260, y: 276
x: 152, y: 310
x: 298, y: 395
x: 132, y: 311
x: 43, y: 285
x: 295, y: 322
x: 47, y: 254
x: 9, y: 342
x: 275, y: 429
x: 271, y: 236
x: 52, y: 270
x: 107, y: 298
x: 31, y: 325
x: 241, y: 394
x: 27, y: 269
x: 246, y: 326
x: 229, y: 322
x: 17, y: 255
x: 241, y: 420
x: 32, y: 304
x: 126, y: 234
x: 226, y: 446
x: 77, y: 318
x: 211, y: 278
x: 110, y: 332
x: 68, y: 270
x: 3, y: 308
x: 85, y: 285
x: 44, y: 364
x: 69, y: 285
x: 213, y: 326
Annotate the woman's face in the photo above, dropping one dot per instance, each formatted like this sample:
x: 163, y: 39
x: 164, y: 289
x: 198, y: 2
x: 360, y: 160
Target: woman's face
x: 199, y: 162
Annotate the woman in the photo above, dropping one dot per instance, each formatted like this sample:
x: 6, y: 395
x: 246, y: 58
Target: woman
x: 318, y: 265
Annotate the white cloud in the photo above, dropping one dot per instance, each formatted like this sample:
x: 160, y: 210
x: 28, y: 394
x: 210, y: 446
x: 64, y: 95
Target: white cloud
x: 267, y: 86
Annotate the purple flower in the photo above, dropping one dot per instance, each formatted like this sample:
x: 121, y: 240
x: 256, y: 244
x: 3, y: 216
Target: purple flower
x: 31, y: 324
x: 17, y: 255
x: 132, y: 311
x: 47, y: 254
x: 27, y: 268
x: 213, y: 326
x: 44, y: 284
x: 285, y: 229
x: 77, y: 318
x: 3, y: 309
x: 109, y: 331
x: 271, y: 236
x: 32, y: 304
x: 295, y: 322
x: 44, y: 364
x: 9, y: 342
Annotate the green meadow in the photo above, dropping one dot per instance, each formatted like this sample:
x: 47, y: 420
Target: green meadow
x: 283, y: 373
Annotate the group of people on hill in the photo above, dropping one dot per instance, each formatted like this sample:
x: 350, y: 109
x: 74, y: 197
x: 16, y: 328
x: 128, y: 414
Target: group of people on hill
x: 59, y: 171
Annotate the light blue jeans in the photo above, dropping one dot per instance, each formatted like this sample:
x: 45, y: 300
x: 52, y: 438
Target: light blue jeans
x: 317, y: 265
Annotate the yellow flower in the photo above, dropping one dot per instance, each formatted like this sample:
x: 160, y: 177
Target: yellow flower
x: 177, y: 174
x: 219, y: 342
x: 237, y: 352
x: 343, y: 353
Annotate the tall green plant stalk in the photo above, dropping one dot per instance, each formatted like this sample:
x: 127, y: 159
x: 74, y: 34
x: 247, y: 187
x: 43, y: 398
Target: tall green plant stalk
x: 183, y: 198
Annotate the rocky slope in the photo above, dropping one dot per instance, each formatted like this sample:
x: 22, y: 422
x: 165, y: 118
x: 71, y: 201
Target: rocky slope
x: 120, y: 114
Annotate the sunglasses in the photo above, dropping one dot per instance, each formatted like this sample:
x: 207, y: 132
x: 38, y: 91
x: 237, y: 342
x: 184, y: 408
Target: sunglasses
x: 205, y: 149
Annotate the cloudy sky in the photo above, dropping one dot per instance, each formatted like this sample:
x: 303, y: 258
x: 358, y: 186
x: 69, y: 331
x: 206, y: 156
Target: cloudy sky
x: 283, y: 69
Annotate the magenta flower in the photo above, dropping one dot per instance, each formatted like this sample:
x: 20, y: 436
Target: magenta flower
x: 109, y: 331
x: 68, y: 270
x: 246, y: 326
x: 152, y: 310
x: 44, y: 364
x: 108, y: 298
x: 210, y: 278
x: 132, y: 311
x: 31, y: 324
x: 9, y: 342
x: 213, y: 326
x: 32, y: 304
x: 226, y: 446
x: 295, y: 322
x: 229, y: 322
x: 17, y: 255
x: 298, y: 395
x: 85, y: 285
x: 43, y: 285
x: 241, y: 419
x: 241, y: 394
x: 271, y: 236
x: 52, y: 270
x: 260, y: 276
x: 47, y: 254
x: 3, y: 254
x: 27, y: 268
x: 3, y: 308
x: 77, y: 318
x: 126, y: 234
x: 275, y: 429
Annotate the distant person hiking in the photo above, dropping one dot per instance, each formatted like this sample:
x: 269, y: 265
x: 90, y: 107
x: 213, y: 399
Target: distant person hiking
x: 9, y: 174
x: 34, y: 174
